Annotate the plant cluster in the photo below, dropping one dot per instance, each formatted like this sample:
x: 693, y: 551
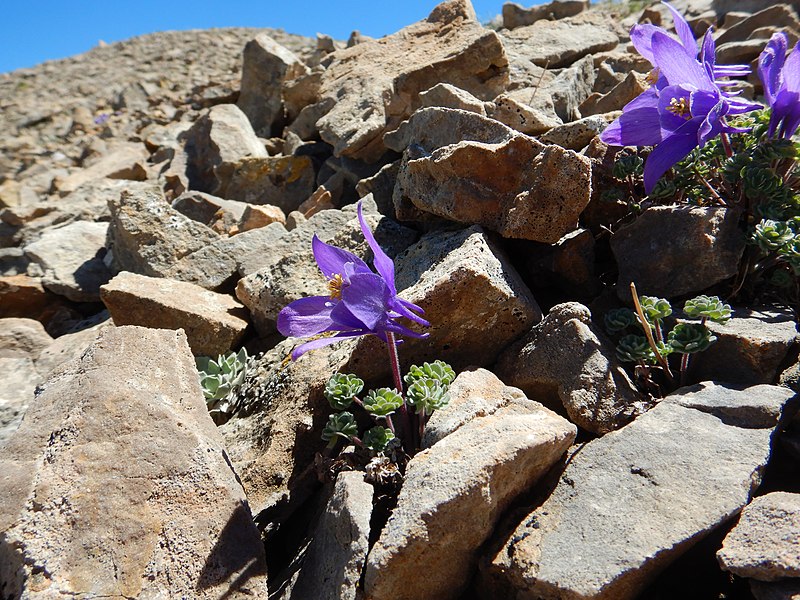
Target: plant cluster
x: 220, y: 380
x: 641, y: 337
x: 427, y: 392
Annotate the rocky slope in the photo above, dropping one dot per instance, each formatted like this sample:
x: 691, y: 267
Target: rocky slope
x: 158, y: 198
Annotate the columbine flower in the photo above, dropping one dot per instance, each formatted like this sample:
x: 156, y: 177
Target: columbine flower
x: 682, y: 112
x: 781, y: 79
x: 360, y: 302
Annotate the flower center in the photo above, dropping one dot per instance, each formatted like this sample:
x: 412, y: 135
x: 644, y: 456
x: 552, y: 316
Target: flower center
x: 652, y: 77
x: 335, y: 287
x: 680, y: 108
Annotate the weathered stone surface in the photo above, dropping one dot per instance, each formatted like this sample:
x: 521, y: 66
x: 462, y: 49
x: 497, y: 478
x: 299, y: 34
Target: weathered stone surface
x: 69, y: 346
x: 117, y: 483
x: 569, y: 264
x: 283, y: 181
x: 570, y: 89
x: 452, y: 496
x: 203, y: 208
x: 740, y: 52
x: 226, y: 217
x: 216, y: 142
x: 23, y: 296
x: 515, y: 15
x: 765, y: 543
x: 629, y: 503
x: 71, y: 258
x: 125, y: 162
x: 149, y: 237
x: 518, y: 188
x: 563, y: 361
x: 214, y: 323
x: 266, y: 65
x: 256, y: 216
x: 578, y: 134
x: 628, y: 89
x: 20, y: 378
x: 749, y: 348
x: 665, y: 264
x: 370, y: 88
x: 519, y: 116
x: 449, y: 96
x: 560, y: 43
x: 777, y: 15
x: 22, y: 337
x: 333, y: 563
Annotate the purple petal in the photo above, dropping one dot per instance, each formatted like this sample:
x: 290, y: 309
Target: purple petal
x: 702, y: 102
x: 708, y: 54
x: 383, y: 264
x: 367, y: 299
x: 404, y: 311
x: 669, y: 121
x: 738, y: 106
x: 642, y: 40
x: 344, y: 320
x: 306, y: 317
x: 404, y: 331
x: 669, y: 152
x: 677, y: 66
x: 331, y: 260
x: 731, y: 70
x: 791, y: 70
x: 786, y: 110
x: 770, y: 63
x: 712, y: 124
x: 639, y: 124
x: 322, y: 342
x: 684, y: 31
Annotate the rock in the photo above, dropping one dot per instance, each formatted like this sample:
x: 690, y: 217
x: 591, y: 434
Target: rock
x: 266, y: 66
x: 788, y: 589
x: 628, y: 89
x: 661, y: 264
x: 370, y: 88
x: 556, y: 44
x: 568, y: 264
x: 515, y: 15
x: 147, y: 236
x: 20, y: 378
x: 71, y: 258
x: 282, y: 181
x: 776, y: 15
x: 452, y: 497
x: 578, y: 134
x: 449, y: 96
x: 333, y: 563
x: 227, y: 217
x: 570, y: 89
x: 127, y: 421
x: 564, y: 361
x: 216, y: 142
x: 23, y: 296
x: 740, y: 52
x: 255, y: 216
x: 765, y: 543
x: 521, y: 117
x: 126, y: 162
x: 22, y: 338
x: 749, y: 349
x: 214, y: 323
x: 631, y: 502
x: 381, y: 186
x: 518, y: 188
x: 69, y: 346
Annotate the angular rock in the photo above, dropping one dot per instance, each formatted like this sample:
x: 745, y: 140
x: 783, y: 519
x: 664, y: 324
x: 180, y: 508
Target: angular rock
x: 518, y: 188
x: 568, y: 264
x: 557, y: 44
x: 71, y: 258
x: 214, y: 323
x: 521, y: 117
x: 578, y: 134
x: 203, y: 208
x: 23, y: 296
x: 69, y: 346
x: 20, y: 378
x: 665, y: 264
x: 570, y: 89
x: 515, y: 15
x: 227, y: 217
x: 126, y: 423
x: 750, y: 347
x: 215, y: 143
x: 765, y: 543
x: 370, y: 88
x: 126, y: 162
x: 452, y: 496
x: 563, y: 361
x: 22, y: 338
x: 776, y: 15
x: 333, y: 563
x: 449, y: 96
x: 266, y: 66
x: 631, y: 502
x: 740, y: 52
x: 628, y: 89
x: 381, y: 186
x: 282, y: 181
x: 256, y: 216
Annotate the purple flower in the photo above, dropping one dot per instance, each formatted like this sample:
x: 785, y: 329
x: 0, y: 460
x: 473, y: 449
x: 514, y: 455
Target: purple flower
x: 683, y: 111
x: 360, y: 302
x: 781, y: 79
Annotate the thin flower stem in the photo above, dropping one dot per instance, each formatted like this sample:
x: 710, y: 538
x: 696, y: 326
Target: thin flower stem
x: 648, y: 333
x: 726, y: 144
x: 684, y: 367
x: 712, y: 190
x: 390, y: 424
x: 398, y: 384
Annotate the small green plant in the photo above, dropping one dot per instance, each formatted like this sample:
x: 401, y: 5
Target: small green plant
x: 427, y: 392
x: 220, y: 380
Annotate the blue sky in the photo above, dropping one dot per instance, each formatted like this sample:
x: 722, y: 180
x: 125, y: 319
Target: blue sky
x: 35, y: 31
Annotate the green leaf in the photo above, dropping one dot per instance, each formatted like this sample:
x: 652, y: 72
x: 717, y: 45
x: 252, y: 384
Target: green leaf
x: 437, y: 370
x: 377, y: 438
x: 341, y: 389
x: 710, y: 307
x: 688, y: 338
x: 340, y: 424
x: 382, y: 402
x: 427, y: 395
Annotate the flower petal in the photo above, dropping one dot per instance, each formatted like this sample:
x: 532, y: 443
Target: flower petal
x: 306, y: 316
x: 770, y: 63
x: 708, y: 52
x: 639, y: 124
x: 367, y: 299
x: 677, y: 66
x: 331, y: 260
x: 642, y: 40
x: 670, y: 151
x: 684, y: 31
x: 712, y: 124
x: 403, y: 310
x: 383, y: 264
x: 791, y: 70
x: 322, y: 342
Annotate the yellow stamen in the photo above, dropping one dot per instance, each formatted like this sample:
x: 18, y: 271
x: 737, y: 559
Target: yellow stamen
x: 680, y: 108
x: 335, y: 287
x: 652, y: 77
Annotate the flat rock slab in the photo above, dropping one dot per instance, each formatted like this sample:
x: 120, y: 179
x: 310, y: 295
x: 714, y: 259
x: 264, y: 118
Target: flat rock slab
x: 117, y: 483
x: 213, y: 323
x: 452, y: 496
x: 631, y: 502
x: 765, y: 544
x: 19, y: 382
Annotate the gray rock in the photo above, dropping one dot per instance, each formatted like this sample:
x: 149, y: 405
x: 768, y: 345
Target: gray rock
x: 266, y: 65
x: 452, y: 496
x: 128, y: 161
x: 616, y: 98
x: 775, y: 15
x: 22, y: 338
x: 740, y: 52
x: 381, y: 186
x: 333, y: 563
x: 72, y: 259
x: 20, y: 378
x: 571, y: 88
x: 631, y: 502
x: 564, y: 362
x: 515, y: 15
x: 449, y: 96
x: 578, y: 134
x: 509, y: 110
x: 665, y: 264
x: 282, y: 181
x: 126, y: 421
x: 69, y: 346
x: 569, y: 264
x: 213, y: 323
x: 765, y: 543
x: 215, y: 143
